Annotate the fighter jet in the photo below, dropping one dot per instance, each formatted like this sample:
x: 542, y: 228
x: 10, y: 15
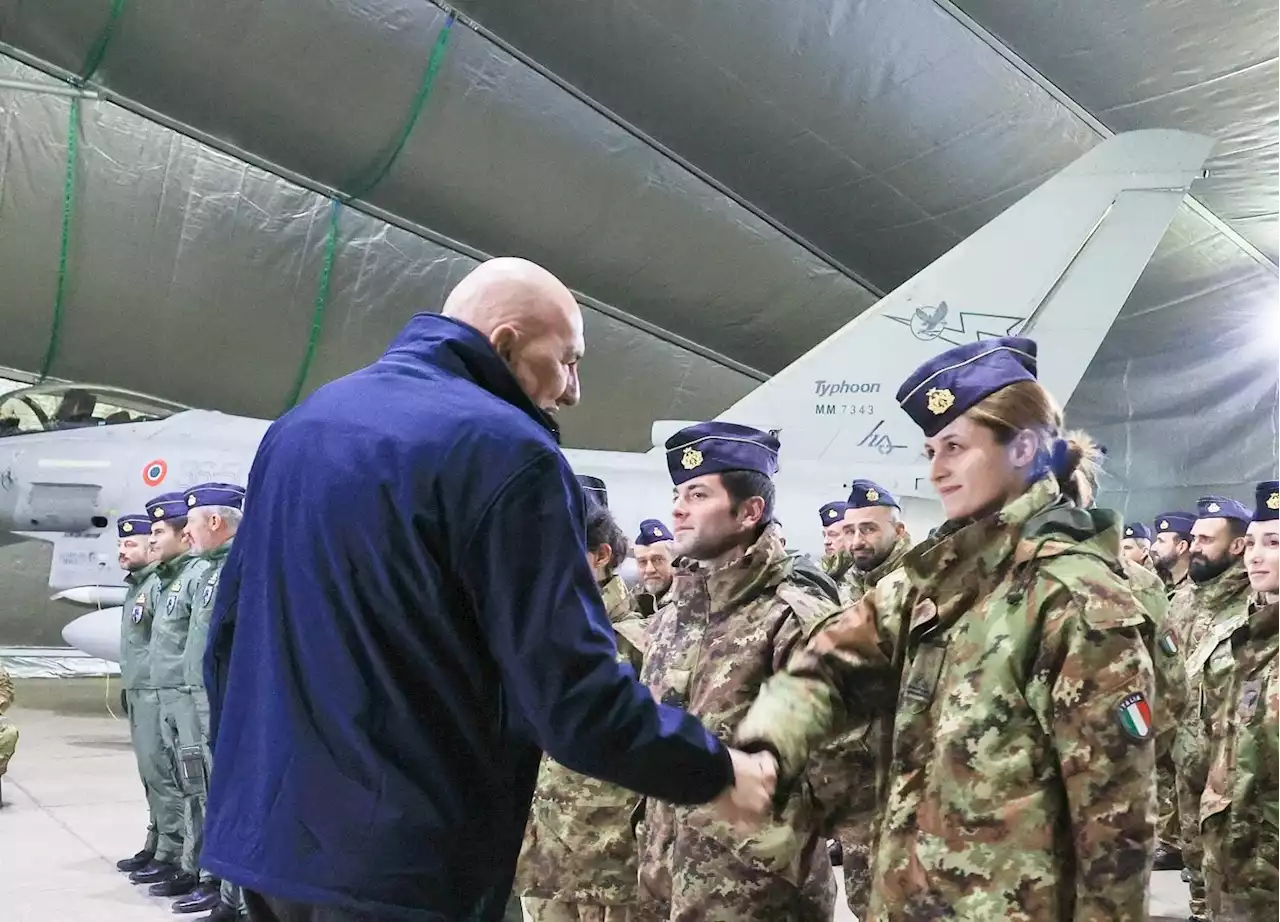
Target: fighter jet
x: 1056, y: 266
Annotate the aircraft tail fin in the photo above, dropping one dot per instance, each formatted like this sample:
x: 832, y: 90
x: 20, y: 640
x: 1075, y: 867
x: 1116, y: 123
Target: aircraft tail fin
x: 1056, y: 266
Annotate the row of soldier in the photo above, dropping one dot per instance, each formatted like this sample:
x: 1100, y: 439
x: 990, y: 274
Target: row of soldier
x: 172, y: 554
x: 978, y: 719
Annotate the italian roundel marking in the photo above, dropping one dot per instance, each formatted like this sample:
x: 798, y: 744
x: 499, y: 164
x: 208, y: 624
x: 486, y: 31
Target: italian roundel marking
x: 154, y: 472
x: 1134, y: 716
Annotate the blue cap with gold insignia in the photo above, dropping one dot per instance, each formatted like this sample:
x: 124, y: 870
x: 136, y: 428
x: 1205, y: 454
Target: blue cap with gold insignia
x: 947, y: 385
x: 715, y: 447
x: 1137, y: 530
x: 1267, y: 501
x: 167, y: 506
x: 866, y: 493
x: 215, y: 494
x: 594, y: 489
x: 652, y: 531
x: 1177, y: 522
x: 1221, y: 507
x: 133, y: 525
x: 832, y: 512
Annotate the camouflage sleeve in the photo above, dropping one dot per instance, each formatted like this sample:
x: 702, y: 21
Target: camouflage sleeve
x: 1168, y: 659
x: 1091, y: 687
x: 6, y: 690
x: 841, y: 675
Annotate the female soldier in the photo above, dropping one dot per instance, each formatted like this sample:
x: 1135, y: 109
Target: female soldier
x: 1241, y: 713
x: 578, y: 863
x: 1019, y: 770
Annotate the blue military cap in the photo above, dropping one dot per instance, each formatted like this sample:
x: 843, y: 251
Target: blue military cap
x: 1179, y: 522
x: 652, y: 531
x: 714, y: 447
x: 133, y: 524
x: 1222, y: 507
x: 947, y: 385
x: 832, y: 512
x: 866, y: 493
x: 167, y: 506
x: 593, y: 488
x: 1137, y: 530
x: 215, y: 494
x: 1267, y: 501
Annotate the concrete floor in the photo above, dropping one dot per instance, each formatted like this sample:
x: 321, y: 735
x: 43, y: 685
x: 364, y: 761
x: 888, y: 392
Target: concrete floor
x: 73, y: 806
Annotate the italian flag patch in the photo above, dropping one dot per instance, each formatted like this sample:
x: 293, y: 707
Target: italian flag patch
x: 1134, y: 716
x: 1169, y: 643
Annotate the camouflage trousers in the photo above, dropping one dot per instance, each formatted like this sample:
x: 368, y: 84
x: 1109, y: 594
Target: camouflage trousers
x: 8, y: 742
x: 1249, y: 905
x: 1167, y: 827
x: 539, y: 910
x: 1190, y: 787
x: 186, y: 745
x: 856, y: 844
x: 164, y: 796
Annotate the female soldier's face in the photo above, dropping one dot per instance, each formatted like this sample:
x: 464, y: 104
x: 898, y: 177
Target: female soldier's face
x: 1262, y: 556
x: 972, y: 472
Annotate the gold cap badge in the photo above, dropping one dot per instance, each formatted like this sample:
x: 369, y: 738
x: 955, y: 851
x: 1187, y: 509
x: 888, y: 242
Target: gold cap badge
x: 1273, y: 501
x: 159, y: 512
x: 657, y: 532
x: 872, y: 496
x: 127, y: 527
x: 691, y: 459
x: 940, y: 400
x: 831, y: 513
x: 191, y: 500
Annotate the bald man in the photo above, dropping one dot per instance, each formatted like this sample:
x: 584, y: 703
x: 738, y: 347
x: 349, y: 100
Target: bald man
x: 386, y: 658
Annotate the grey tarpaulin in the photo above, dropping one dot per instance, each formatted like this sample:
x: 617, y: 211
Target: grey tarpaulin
x: 743, y: 176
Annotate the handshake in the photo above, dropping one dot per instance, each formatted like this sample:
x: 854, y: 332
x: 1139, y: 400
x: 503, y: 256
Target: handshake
x: 749, y: 799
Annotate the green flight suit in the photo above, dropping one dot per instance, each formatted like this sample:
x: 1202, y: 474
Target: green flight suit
x: 179, y: 717
x: 193, y: 669
x: 142, y: 699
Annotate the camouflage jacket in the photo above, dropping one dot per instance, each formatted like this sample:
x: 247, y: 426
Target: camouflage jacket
x: 645, y: 603
x: 1020, y: 781
x: 204, y: 592
x: 1167, y: 650
x: 843, y: 772
x: 1241, y: 718
x: 1203, y: 614
x: 722, y: 633
x: 579, y: 846
x: 6, y: 690
x: 135, y: 629
x: 861, y: 583
x: 169, y: 599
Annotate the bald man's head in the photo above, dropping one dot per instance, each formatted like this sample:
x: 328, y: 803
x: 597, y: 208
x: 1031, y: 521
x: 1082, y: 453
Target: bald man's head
x: 532, y: 321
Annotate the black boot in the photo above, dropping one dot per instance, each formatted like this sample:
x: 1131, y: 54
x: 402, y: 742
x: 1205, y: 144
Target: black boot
x: 154, y: 872
x: 222, y: 913
x: 136, y: 863
x: 201, y: 899
x: 178, y: 885
x: 1168, y: 859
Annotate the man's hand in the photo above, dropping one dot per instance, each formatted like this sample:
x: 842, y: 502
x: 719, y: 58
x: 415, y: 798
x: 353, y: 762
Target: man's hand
x: 750, y: 798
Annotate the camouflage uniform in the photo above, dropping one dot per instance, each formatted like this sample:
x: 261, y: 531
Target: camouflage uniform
x: 844, y: 771
x: 173, y: 597
x: 1167, y: 655
x: 164, y: 799
x: 1203, y: 614
x: 721, y: 635
x: 645, y: 603
x: 578, y: 862
x: 1021, y: 769
x: 8, y: 732
x: 1238, y: 812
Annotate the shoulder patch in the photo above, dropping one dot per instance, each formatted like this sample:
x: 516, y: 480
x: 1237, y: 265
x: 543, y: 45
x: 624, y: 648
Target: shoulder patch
x: 1133, y: 714
x: 139, y: 609
x: 1169, y: 643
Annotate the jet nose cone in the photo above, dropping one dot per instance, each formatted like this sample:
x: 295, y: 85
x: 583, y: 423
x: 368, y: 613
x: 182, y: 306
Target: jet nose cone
x: 97, y: 633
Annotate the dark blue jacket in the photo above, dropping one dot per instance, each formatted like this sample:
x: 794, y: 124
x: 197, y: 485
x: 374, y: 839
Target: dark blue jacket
x: 405, y: 620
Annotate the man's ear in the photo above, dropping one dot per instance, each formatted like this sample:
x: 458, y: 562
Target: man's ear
x: 752, y: 511
x: 504, y: 340
x: 1237, y: 546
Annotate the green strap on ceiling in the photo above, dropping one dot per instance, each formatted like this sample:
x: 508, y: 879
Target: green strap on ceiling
x: 68, y: 209
x: 360, y: 189
x: 92, y: 61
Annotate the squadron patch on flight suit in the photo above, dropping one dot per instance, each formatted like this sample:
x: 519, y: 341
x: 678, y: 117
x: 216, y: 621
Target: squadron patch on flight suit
x: 210, y: 589
x: 139, y: 609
